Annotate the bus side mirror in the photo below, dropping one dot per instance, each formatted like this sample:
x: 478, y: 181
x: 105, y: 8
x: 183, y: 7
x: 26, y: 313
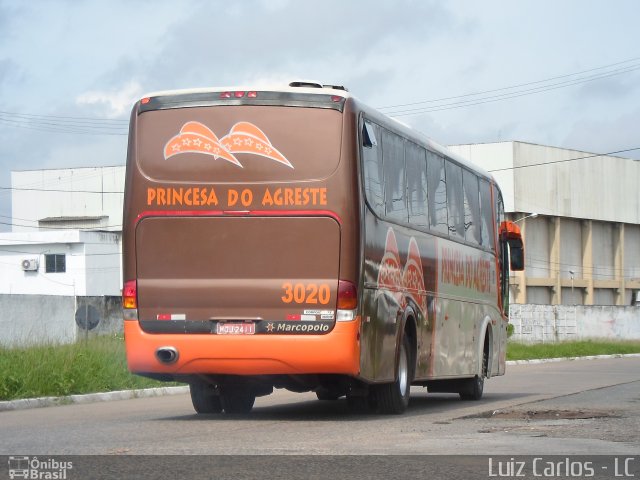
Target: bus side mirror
x: 516, y: 255
x: 510, y: 233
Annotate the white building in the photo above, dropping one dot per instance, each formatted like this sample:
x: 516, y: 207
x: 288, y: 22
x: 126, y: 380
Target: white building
x: 68, y: 263
x: 583, y: 246
x: 66, y: 230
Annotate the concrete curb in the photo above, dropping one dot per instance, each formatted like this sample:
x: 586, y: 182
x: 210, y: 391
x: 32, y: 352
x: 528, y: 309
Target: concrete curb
x: 26, y: 403
x: 569, y: 359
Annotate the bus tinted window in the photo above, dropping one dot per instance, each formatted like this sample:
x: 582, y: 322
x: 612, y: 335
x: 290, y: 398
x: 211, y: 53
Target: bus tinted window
x: 394, y: 174
x: 455, y: 200
x: 416, y: 184
x: 471, y: 207
x: 487, y: 230
x: 373, y: 174
x: 437, y: 188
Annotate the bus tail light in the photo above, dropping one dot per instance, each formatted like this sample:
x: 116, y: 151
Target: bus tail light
x: 239, y: 94
x: 130, y: 300
x: 347, y: 301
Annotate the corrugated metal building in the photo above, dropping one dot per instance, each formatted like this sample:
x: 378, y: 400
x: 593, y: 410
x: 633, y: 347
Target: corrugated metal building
x: 579, y: 213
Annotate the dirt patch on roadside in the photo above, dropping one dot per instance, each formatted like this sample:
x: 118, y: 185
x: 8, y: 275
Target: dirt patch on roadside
x: 532, y: 415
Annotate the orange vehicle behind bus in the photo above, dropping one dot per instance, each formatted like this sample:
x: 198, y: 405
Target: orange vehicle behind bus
x: 295, y: 238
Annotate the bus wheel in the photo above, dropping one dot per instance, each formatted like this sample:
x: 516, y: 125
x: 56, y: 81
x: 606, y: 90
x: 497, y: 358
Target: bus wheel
x: 240, y: 401
x: 474, y: 387
x: 204, y: 397
x: 393, y: 398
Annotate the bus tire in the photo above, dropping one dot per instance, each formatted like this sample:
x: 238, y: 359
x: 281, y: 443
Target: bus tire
x: 237, y: 401
x: 204, y: 397
x: 474, y: 387
x: 327, y: 395
x: 393, y: 398
x: 359, y: 404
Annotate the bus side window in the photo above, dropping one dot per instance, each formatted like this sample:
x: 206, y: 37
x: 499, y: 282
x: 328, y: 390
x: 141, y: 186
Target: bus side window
x: 437, y: 189
x: 471, y: 207
x: 488, y: 231
x: 373, y: 169
x: 499, y: 211
x: 455, y: 199
x: 394, y: 176
x: 369, y: 135
x: 416, y: 184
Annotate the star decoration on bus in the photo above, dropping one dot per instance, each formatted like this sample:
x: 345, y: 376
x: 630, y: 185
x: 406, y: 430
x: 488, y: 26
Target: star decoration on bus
x: 244, y: 137
x: 193, y: 138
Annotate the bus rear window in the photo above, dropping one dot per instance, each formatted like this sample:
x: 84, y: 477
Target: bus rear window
x: 238, y: 144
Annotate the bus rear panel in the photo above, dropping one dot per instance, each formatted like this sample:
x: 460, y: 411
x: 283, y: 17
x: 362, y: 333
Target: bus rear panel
x: 235, y: 233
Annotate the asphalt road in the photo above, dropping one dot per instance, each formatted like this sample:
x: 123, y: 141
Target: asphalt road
x: 584, y: 407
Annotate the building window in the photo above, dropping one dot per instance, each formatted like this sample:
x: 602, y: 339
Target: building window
x: 55, y: 263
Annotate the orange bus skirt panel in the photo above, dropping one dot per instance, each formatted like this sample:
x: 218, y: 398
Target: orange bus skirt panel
x: 337, y: 352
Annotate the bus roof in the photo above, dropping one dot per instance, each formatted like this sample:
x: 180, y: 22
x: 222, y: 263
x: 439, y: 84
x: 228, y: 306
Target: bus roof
x: 324, y: 90
x: 409, y: 131
x: 315, y: 88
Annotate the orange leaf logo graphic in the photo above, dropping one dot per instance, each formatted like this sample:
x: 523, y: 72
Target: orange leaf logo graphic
x: 410, y: 279
x: 244, y: 137
x: 194, y: 137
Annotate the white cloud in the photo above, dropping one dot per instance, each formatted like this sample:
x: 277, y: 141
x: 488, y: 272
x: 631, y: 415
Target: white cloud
x: 117, y: 102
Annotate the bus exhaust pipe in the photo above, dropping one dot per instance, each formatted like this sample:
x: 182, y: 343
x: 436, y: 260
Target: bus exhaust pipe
x: 167, y: 355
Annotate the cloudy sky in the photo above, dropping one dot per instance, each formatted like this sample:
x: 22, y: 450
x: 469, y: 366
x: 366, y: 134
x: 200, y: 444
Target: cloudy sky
x: 70, y: 70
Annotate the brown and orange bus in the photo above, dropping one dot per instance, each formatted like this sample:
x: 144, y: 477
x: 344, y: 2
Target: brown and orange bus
x: 296, y: 238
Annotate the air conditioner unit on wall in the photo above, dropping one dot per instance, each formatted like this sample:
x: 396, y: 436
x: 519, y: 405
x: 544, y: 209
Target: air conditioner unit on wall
x: 30, y: 264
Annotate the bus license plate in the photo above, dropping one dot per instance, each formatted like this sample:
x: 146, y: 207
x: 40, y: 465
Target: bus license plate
x: 236, y: 328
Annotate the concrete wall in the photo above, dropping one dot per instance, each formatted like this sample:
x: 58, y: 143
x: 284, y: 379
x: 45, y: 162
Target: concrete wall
x: 45, y: 319
x: 548, y: 324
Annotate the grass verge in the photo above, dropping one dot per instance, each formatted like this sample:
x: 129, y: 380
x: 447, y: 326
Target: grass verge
x: 99, y: 365
x: 95, y: 365
x: 521, y: 351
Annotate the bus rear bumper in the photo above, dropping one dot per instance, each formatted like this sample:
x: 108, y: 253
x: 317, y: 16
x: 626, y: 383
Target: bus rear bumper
x: 337, y: 352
